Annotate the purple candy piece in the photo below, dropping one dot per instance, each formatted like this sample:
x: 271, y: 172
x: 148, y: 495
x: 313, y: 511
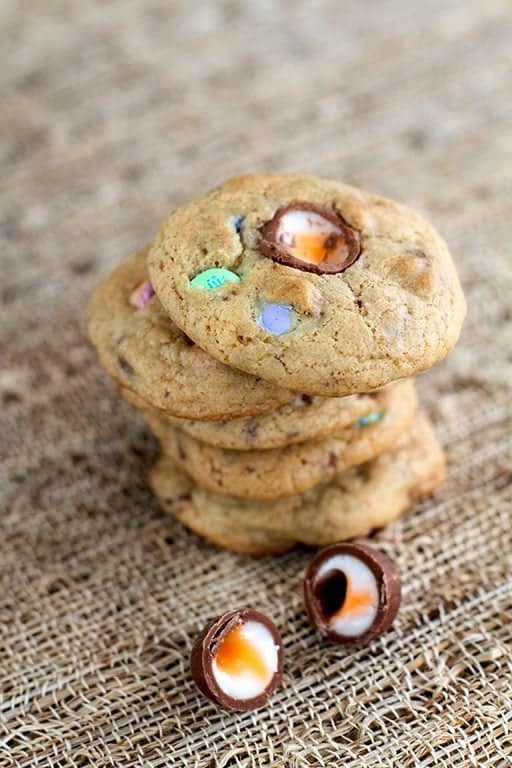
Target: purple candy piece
x: 276, y: 318
x: 141, y: 294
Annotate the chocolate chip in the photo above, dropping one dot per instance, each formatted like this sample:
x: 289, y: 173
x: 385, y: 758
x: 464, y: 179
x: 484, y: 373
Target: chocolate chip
x: 336, y: 244
x: 240, y: 643
x: 10, y: 397
x: 352, y: 593
x: 252, y: 429
x: 125, y: 366
x: 181, y: 451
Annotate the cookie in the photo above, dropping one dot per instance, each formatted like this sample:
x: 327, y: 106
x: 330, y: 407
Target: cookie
x: 147, y: 354
x: 287, y: 471
x: 306, y: 418
x: 307, y: 283
x: 363, y: 498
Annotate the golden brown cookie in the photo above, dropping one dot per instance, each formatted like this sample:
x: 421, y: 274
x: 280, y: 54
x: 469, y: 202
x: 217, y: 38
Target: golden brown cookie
x: 146, y: 353
x: 306, y: 418
x: 365, y: 497
x: 294, y: 469
x: 310, y: 284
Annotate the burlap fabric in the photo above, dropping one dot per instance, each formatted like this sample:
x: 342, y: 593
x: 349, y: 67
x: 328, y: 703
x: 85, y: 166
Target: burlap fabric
x: 111, y: 113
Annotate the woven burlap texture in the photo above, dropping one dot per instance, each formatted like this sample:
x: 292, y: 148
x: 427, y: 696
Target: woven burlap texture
x: 112, y: 113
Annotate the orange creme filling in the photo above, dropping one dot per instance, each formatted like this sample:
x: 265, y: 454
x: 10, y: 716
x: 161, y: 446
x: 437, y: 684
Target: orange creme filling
x: 237, y: 655
x: 355, y: 602
x: 326, y: 246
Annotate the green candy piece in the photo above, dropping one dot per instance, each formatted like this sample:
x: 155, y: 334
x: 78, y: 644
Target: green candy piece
x: 214, y: 278
x: 370, y: 418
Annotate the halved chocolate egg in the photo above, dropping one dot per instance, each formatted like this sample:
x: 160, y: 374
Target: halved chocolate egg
x: 311, y: 238
x: 237, y: 661
x: 352, y: 592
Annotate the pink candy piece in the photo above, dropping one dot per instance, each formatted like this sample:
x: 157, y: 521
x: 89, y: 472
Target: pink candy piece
x: 141, y: 294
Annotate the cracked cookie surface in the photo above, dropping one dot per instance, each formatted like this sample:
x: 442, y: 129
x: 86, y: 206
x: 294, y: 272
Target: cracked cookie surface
x: 376, y: 300
x: 290, y: 470
x: 147, y: 354
x: 363, y: 498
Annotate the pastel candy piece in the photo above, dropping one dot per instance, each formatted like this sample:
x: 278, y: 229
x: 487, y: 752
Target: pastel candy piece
x: 238, y: 222
x: 370, y: 418
x: 214, y: 278
x: 276, y: 318
x: 311, y: 238
x: 141, y: 294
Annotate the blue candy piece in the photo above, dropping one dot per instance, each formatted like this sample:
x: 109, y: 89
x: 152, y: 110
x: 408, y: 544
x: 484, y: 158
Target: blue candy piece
x: 276, y: 318
x: 214, y: 278
x: 370, y: 418
x: 238, y: 222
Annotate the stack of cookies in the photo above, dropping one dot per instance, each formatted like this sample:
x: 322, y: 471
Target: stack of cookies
x: 270, y: 335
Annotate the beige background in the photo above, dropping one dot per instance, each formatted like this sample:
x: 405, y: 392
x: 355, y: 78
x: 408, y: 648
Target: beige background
x: 112, y: 112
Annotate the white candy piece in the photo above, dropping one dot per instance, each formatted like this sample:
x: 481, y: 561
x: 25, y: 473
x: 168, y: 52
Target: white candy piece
x: 247, y: 684
x: 359, y: 609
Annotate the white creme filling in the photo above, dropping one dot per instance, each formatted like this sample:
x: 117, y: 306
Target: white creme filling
x: 248, y: 685
x: 303, y: 223
x: 359, y: 579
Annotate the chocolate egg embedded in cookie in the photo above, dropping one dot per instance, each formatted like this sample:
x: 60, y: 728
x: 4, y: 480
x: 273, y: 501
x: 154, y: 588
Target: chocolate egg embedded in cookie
x: 310, y: 237
x: 237, y: 661
x: 352, y: 593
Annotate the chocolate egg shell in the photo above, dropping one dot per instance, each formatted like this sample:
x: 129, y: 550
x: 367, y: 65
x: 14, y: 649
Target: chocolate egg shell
x: 347, y: 240
x: 205, y: 650
x: 321, y: 594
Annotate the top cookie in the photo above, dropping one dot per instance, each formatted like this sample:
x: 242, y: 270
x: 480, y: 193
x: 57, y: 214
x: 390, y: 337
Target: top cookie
x: 309, y: 284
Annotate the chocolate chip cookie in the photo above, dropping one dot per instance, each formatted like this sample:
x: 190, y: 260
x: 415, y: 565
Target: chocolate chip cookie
x: 310, y: 284
x: 287, y: 471
x: 307, y: 417
x: 365, y: 497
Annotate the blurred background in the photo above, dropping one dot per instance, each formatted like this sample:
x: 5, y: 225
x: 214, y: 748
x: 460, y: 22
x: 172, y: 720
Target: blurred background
x: 113, y: 111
